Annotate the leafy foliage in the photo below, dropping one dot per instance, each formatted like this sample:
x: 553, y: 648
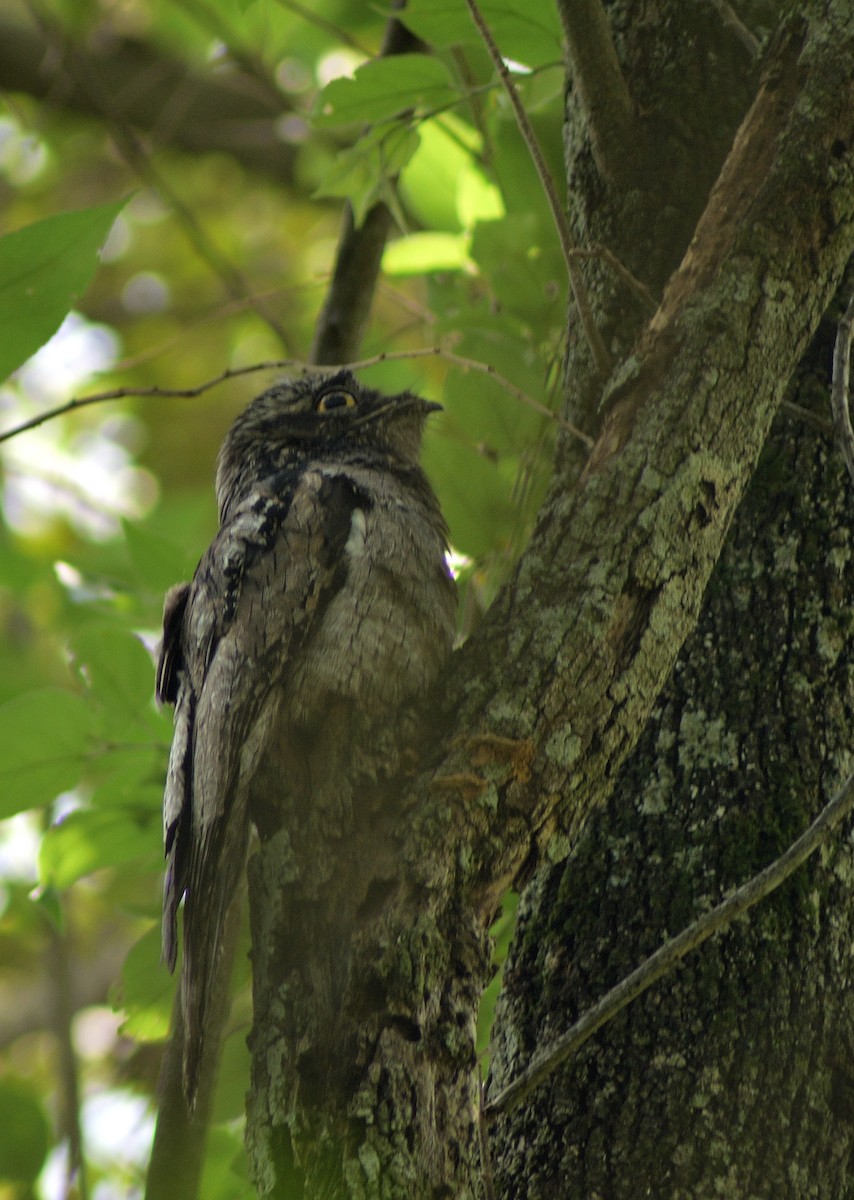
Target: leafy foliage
x: 211, y: 267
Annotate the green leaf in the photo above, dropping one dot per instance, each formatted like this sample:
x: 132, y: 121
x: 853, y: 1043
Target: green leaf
x: 119, y: 673
x: 24, y: 1133
x: 89, y: 839
x: 44, y: 269
x: 384, y: 87
x: 158, y: 561
x: 443, y: 183
x: 422, y: 252
x: 146, y: 990
x: 361, y: 173
x: 44, y: 741
x: 525, y: 32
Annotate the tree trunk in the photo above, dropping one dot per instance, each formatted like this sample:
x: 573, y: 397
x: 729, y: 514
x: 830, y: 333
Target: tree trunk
x: 369, y: 945
x: 734, y: 1076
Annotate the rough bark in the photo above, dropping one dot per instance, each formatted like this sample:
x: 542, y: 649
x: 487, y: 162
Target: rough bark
x: 586, y: 634
x: 733, y: 1077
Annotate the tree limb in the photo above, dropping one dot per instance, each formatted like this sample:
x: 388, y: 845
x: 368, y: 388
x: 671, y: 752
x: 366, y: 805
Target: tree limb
x: 615, y: 132
x: 156, y: 94
x: 839, y: 392
x: 601, y: 357
x: 666, y: 958
x: 347, y: 307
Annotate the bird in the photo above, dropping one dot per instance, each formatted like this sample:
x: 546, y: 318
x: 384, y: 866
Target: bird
x: 326, y: 589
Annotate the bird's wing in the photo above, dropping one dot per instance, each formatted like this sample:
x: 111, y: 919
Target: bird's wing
x: 228, y: 638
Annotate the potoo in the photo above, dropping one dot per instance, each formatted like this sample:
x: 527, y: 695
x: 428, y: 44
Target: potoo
x: 326, y: 590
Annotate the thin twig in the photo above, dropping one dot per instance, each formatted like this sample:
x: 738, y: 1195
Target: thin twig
x: 601, y: 357
x: 68, y: 1067
x: 319, y: 22
x: 840, y: 386
x: 122, y: 393
x: 664, y: 960
x: 733, y: 21
x: 191, y: 393
x: 597, y: 250
x: 821, y: 424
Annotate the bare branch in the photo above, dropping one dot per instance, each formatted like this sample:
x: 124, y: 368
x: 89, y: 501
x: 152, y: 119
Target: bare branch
x: 67, y: 1066
x: 734, y: 22
x: 614, y: 129
x: 190, y: 393
x: 840, y: 386
x: 347, y: 307
x: 594, y: 339
x: 597, y: 250
x: 665, y: 959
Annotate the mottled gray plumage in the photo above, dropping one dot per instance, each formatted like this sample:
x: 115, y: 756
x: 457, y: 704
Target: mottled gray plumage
x: 326, y: 585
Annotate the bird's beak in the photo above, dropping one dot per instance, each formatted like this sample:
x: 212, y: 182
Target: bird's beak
x: 430, y: 406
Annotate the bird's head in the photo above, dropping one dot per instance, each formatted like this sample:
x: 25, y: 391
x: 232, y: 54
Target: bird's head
x: 315, y: 415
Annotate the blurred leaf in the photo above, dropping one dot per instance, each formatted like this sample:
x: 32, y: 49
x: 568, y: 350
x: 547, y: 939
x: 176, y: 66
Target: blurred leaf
x: 525, y: 272
x: 44, y: 741
x: 422, y: 252
x: 44, y: 268
x: 384, y: 87
x: 445, y: 183
x: 146, y: 991
x: 361, y: 173
x: 525, y: 32
x: 157, y: 561
x: 119, y: 672
x: 49, y: 902
x: 89, y: 839
x: 225, y: 1175
x: 475, y: 497
x: 24, y: 1133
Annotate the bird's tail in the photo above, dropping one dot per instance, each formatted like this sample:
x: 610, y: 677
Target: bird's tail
x: 208, y: 955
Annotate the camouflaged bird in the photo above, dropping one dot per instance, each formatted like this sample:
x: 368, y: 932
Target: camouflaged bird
x: 327, y: 584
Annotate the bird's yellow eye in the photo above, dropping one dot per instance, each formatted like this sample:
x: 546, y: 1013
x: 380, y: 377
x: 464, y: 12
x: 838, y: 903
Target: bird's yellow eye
x: 335, y: 399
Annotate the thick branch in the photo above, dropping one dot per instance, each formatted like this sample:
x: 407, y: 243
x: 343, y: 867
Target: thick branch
x: 612, y: 580
x: 229, y: 112
x: 608, y: 109
x: 347, y: 306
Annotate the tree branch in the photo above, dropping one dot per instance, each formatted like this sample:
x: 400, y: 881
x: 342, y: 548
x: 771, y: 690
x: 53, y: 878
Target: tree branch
x: 601, y: 357
x: 156, y: 94
x: 615, y: 132
x: 733, y: 21
x: 347, y: 308
x: 840, y: 387
x: 666, y: 958
x: 294, y: 364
